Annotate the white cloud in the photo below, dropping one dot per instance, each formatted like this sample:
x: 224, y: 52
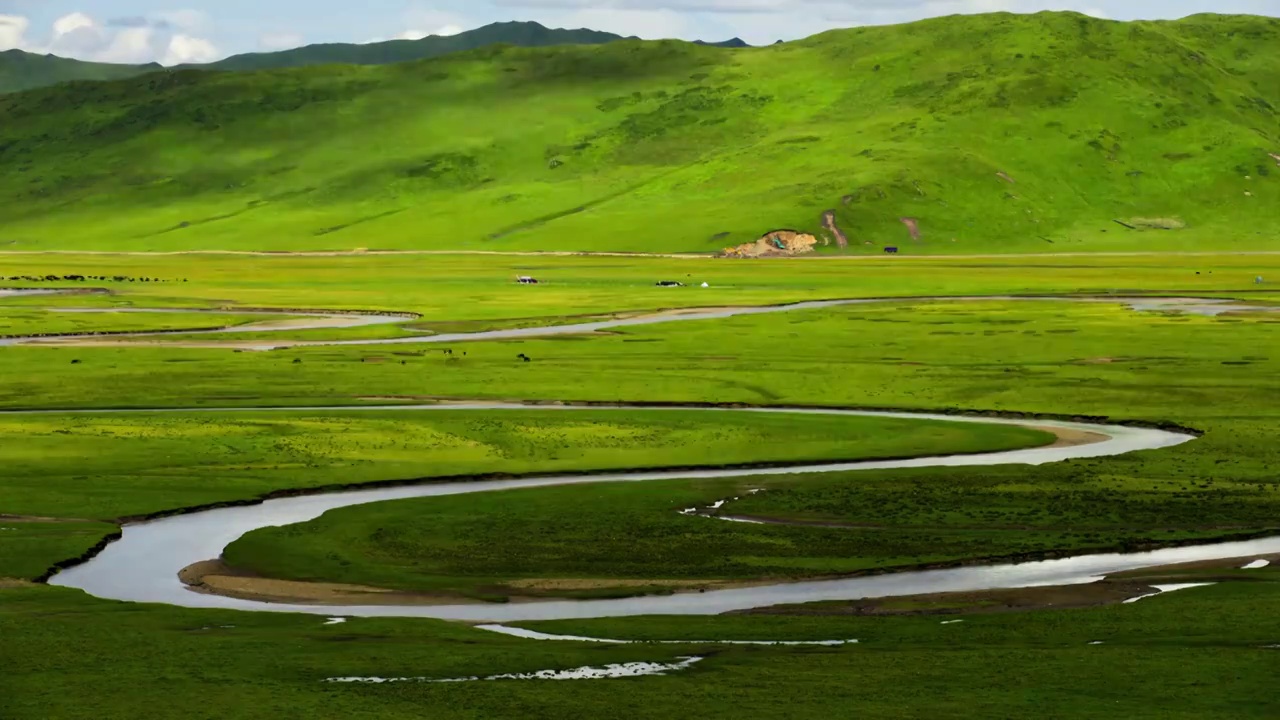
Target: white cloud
x: 186, y: 49
x: 131, y: 46
x: 13, y: 31
x: 165, y: 39
x: 68, y: 24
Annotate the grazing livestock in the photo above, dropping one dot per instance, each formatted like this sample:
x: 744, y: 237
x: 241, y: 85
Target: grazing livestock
x: 670, y: 283
x: 526, y: 280
x: 524, y: 357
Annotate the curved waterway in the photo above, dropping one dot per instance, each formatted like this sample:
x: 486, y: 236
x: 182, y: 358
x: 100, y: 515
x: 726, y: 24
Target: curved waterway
x: 143, y: 565
x: 303, y: 320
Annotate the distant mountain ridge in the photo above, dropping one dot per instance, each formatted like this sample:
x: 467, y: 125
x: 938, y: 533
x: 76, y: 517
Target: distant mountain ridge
x: 730, y: 43
x: 24, y: 71
x: 522, y: 34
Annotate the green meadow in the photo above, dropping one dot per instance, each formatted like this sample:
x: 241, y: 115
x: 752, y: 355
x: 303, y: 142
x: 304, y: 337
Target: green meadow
x: 1187, y: 656
x: 1213, y: 374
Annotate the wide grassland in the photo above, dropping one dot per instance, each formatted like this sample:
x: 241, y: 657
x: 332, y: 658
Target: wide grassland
x: 913, y: 353
x: 466, y: 293
x: 1194, y: 654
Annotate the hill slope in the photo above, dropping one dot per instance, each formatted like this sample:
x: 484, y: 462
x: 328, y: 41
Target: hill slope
x: 977, y: 134
x: 23, y: 70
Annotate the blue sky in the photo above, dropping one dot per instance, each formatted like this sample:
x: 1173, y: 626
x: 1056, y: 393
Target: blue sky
x: 176, y: 31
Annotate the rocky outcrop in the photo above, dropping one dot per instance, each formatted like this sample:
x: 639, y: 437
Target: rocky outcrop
x: 775, y: 243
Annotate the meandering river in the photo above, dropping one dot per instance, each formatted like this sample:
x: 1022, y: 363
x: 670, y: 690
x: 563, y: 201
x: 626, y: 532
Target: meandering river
x: 143, y: 565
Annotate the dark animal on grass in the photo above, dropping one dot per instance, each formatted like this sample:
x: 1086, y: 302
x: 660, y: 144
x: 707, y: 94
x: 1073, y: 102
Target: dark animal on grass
x: 524, y: 357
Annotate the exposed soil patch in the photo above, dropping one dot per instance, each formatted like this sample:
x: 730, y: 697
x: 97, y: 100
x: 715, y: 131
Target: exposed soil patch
x: 1005, y: 177
x: 1106, y: 592
x: 14, y: 583
x: 829, y: 222
x: 1072, y: 438
x: 1203, y: 570
x: 215, y: 577
x: 913, y: 226
x: 1113, y: 589
x: 777, y: 243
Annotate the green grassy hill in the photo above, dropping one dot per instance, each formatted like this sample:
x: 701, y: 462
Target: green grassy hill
x: 987, y: 133
x: 23, y: 70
